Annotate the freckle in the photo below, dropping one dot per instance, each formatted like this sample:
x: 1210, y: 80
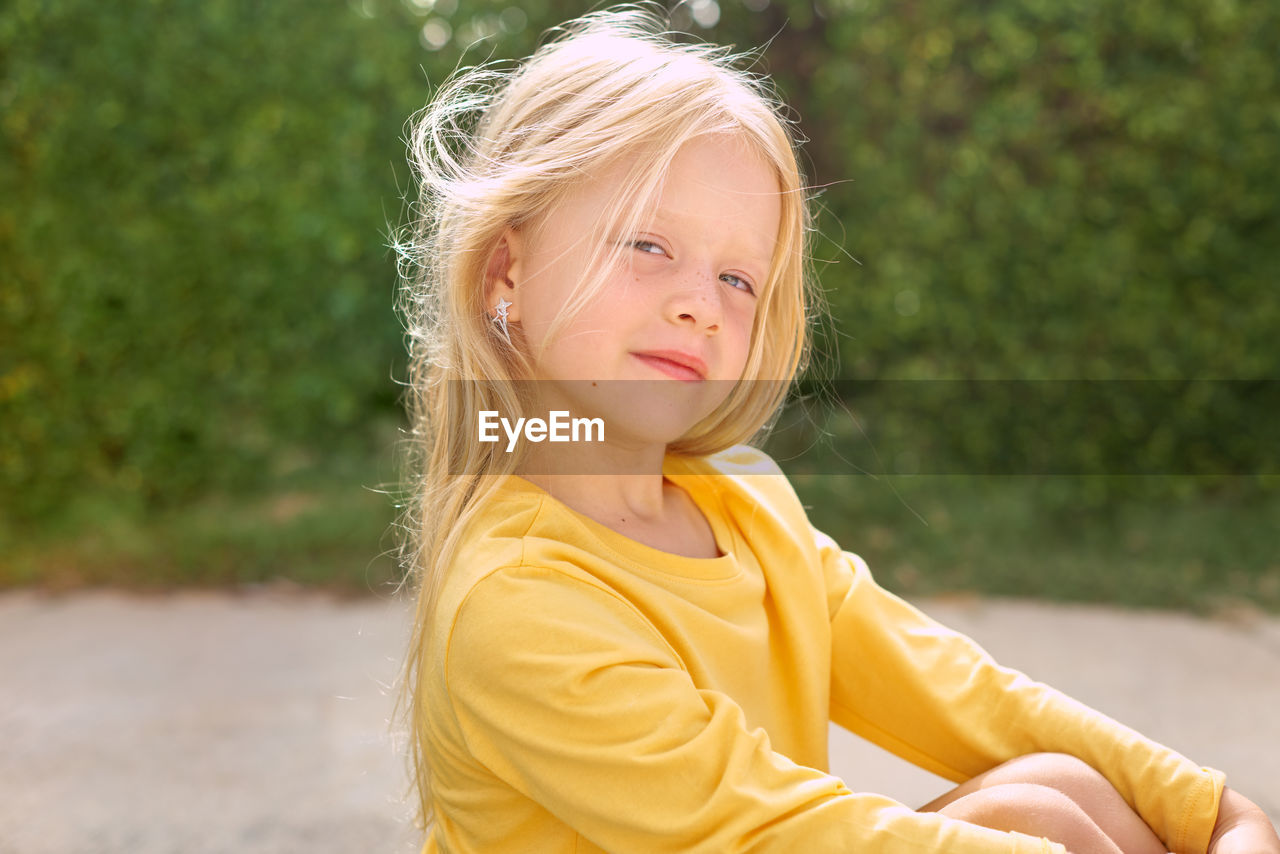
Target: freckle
x: 593, y: 385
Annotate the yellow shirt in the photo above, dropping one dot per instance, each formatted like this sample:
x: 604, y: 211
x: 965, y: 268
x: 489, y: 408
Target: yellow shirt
x: 589, y: 693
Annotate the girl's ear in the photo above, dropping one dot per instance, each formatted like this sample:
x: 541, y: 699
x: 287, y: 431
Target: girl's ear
x: 502, y: 274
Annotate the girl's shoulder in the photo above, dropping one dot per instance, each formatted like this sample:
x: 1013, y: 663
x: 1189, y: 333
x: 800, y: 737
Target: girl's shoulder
x: 517, y: 526
x: 745, y: 479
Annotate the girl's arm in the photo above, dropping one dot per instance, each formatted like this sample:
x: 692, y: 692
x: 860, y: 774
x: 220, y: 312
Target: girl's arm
x: 935, y: 698
x: 562, y: 693
x: 1242, y: 828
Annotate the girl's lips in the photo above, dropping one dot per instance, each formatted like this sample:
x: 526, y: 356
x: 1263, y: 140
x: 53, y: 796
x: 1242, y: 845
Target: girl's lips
x: 680, y: 366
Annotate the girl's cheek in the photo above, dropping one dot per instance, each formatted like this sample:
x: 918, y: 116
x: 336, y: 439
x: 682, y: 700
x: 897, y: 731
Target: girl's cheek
x: 628, y: 289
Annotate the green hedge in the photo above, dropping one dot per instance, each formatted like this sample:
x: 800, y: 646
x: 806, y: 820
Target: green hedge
x: 1051, y: 191
x: 195, y: 292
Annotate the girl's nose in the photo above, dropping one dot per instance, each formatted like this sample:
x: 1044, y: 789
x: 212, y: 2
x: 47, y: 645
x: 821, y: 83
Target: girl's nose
x: 697, y: 300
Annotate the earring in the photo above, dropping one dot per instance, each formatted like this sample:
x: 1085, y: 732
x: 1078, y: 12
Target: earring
x: 501, y: 319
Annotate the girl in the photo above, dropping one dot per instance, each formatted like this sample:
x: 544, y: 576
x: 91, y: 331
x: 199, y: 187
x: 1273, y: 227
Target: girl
x: 634, y: 641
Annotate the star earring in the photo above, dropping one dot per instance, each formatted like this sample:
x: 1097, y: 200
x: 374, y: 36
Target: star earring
x: 501, y: 318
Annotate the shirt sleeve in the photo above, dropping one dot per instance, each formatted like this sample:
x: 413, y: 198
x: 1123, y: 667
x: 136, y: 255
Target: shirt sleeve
x: 937, y: 699
x: 563, y: 690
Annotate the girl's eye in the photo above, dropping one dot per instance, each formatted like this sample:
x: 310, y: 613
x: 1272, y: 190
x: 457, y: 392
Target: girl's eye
x: 648, y: 247
x: 737, y: 282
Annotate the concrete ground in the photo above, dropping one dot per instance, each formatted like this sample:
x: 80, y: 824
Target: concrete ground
x: 208, y: 722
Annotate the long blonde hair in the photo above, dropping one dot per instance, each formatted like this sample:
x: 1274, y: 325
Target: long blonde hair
x: 498, y: 149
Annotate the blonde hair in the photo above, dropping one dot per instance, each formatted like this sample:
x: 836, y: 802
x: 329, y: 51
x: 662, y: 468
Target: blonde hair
x: 496, y: 150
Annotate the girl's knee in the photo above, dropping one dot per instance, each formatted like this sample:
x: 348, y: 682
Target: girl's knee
x: 1032, y: 809
x: 1051, y: 768
x: 1009, y: 803
x: 1073, y: 777
x: 1070, y: 776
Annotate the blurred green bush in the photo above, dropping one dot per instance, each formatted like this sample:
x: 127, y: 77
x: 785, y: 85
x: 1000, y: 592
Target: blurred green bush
x: 195, y: 293
x: 196, y: 290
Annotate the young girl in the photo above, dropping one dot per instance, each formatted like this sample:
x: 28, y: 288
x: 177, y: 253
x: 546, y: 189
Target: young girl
x: 634, y: 641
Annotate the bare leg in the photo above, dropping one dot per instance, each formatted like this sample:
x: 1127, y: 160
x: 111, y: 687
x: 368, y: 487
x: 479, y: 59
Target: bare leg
x: 1088, y: 790
x: 1034, y: 810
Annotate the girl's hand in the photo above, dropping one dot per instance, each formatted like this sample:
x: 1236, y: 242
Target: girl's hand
x: 1242, y: 828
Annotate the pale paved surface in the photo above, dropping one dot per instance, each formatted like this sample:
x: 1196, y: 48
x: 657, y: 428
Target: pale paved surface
x: 204, y: 722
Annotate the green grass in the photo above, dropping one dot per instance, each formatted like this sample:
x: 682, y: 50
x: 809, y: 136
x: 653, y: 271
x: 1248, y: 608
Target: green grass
x: 1143, y: 542
x: 335, y: 535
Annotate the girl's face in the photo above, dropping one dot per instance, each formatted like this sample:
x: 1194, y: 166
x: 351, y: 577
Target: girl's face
x: 676, y: 312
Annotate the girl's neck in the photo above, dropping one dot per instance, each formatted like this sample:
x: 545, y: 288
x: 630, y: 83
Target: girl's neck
x: 643, y: 507
x: 602, y: 481
x: 610, y: 500
x: 626, y: 492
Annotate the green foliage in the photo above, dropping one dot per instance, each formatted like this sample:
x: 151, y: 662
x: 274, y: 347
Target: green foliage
x: 196, y: 292
x: 196, y: 297
x: 1047, y: 190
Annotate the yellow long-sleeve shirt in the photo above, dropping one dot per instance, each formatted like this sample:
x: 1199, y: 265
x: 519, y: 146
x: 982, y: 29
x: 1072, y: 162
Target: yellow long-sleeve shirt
x: 589, y: 693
